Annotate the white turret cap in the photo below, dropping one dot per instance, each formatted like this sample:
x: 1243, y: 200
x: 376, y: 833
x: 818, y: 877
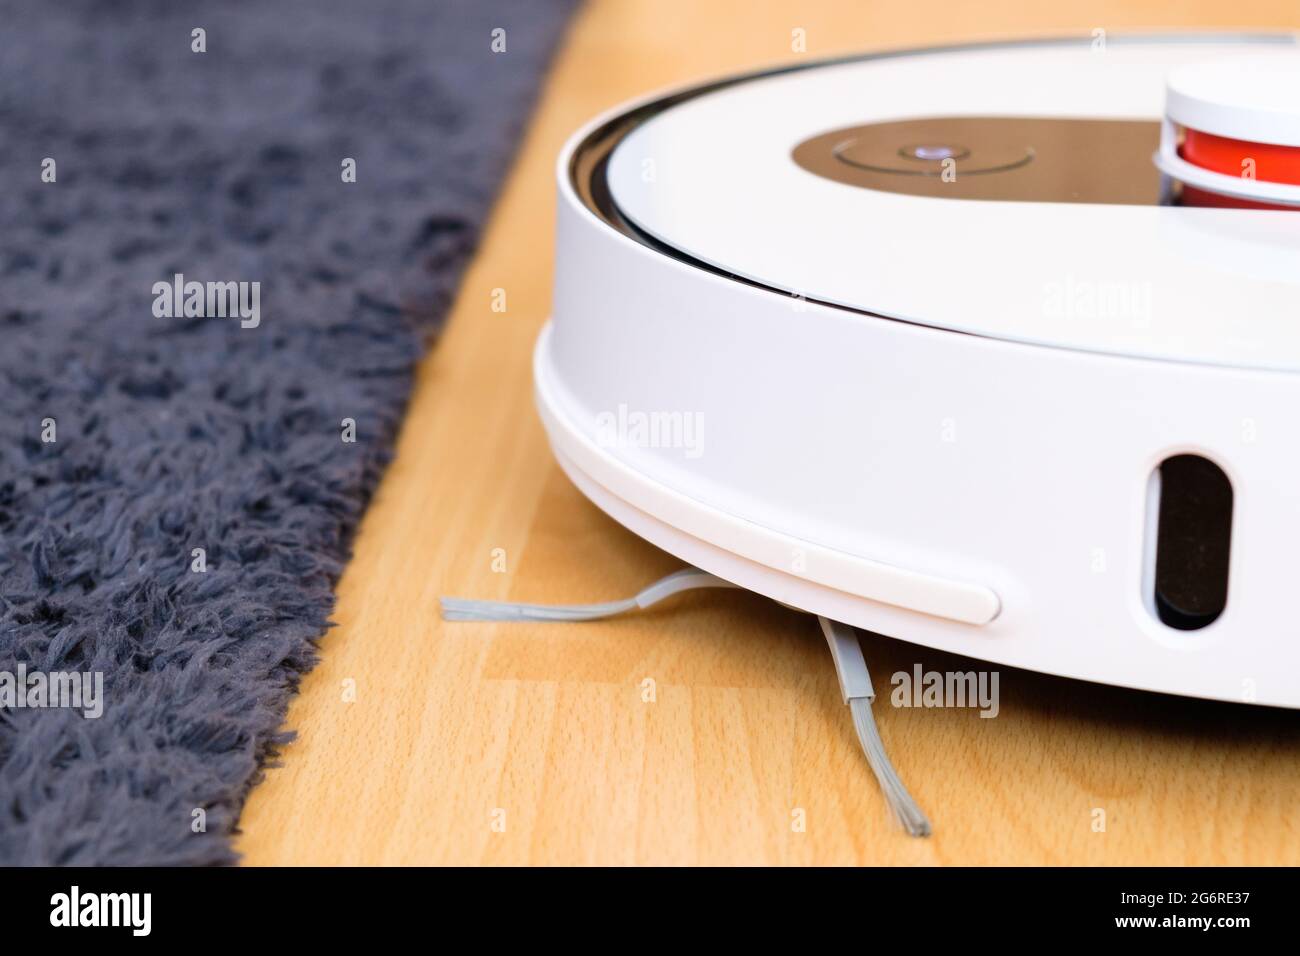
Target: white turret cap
x: 1255, y: 98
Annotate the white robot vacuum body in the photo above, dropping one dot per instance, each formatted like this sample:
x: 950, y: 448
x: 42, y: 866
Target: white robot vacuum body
x: 982, y: 348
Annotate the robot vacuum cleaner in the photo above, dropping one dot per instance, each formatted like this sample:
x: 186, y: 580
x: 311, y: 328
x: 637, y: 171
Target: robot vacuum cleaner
x: 994, y: 349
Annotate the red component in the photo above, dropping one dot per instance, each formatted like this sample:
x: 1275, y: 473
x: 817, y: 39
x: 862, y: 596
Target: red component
x: 1268, y: 162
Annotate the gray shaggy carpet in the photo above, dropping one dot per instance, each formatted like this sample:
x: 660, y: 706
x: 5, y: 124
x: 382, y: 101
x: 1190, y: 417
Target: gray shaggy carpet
x: 175, y: 434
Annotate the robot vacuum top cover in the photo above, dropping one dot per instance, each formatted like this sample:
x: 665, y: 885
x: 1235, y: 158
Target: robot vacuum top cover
x: 714, y: 177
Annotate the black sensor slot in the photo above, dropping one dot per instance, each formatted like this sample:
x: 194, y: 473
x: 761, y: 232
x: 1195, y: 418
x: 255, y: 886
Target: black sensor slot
x: 1194, y: 538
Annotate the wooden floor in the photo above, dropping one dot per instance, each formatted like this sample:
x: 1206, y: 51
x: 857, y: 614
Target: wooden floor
x: 421, y: 742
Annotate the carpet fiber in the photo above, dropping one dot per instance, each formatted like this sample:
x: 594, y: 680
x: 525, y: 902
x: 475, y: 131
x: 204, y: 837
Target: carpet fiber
x: 128, y: 439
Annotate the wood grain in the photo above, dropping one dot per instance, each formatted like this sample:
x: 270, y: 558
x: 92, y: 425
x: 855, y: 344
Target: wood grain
x: 454, y: 724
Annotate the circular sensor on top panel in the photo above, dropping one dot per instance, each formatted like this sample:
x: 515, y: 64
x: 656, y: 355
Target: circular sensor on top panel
x: 876, y: 153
